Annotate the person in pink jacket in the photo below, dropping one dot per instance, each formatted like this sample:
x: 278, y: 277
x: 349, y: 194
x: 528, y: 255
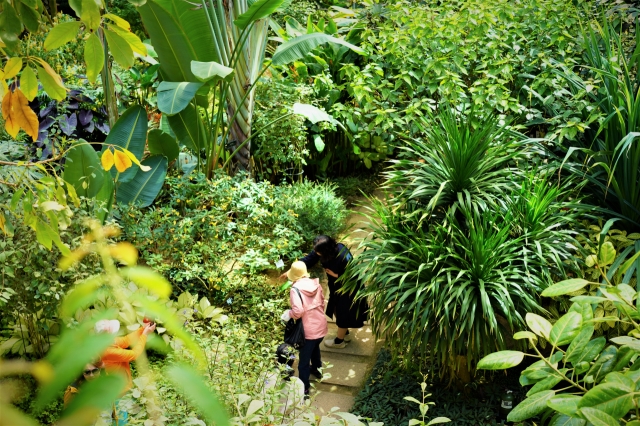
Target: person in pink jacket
x: 309, y: 306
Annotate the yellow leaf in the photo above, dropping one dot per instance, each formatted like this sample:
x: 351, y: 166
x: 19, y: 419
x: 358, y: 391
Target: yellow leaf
x: 17, y: 114
x: 118, y: 21
x: 2, y: 223
x: 12, y: 67
x: 122, y: 161
x: 107, y: 159
x: 124, y: 252
x: 136, y: 44
x: 3, y: 89
x: 131, y: 156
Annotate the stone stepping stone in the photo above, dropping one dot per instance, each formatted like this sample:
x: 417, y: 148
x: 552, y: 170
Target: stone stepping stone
x: 346, y: 373
x: 363, y: 342
x: 323, y: 402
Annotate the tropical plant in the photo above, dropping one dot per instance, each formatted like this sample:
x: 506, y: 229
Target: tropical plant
x: 214, y: 57
x: 580, y: 380
x: 456, y: 157
x: 610, y: 156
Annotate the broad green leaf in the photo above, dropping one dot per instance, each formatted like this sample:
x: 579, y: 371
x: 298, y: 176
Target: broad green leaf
x: 538, y: 325
x: 530, y: 407
x: 149, y: 279
x: 613, y: 398
x: 54, y: 89
x: 544, y: 384
x: 258, y: 10
x: 119, y: 48
x: 61, y: 34
x: 578, y: 344
x: 29, y: 83
x: 628, y: 341
x: 501, y: 360
x: 565, y: 404
x: 179, y: 34
x: 190, y: 382
x: 211, y: 72
x: 298, y: 47
x: 563, y: 420
x: 314, y: 114
x: 607, y: 254
x: 565, y: 329
x: 598, y: 417
x: 189, y: 129
x: 161, y: 143
x: 589, y: 352
x: 436, y: 421
x: 565, y: 287
x: 90, y: 14
x: 627, y: 264
x: 93, y: 57
x: 143, y: 189
x: 621, y: 379
x: 82, y: 169
x: 174, y: 97
x: 130, y: 133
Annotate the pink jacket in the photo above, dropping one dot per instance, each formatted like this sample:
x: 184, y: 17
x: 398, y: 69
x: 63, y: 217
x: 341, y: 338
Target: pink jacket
x: 312, y: 311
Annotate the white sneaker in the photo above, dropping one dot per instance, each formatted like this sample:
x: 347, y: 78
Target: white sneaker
x: 332, y: 344
x: 347, y: 338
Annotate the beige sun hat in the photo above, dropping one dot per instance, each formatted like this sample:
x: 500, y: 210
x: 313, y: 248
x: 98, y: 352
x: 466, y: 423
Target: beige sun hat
x: 107, y: 326
x: 298, y: 270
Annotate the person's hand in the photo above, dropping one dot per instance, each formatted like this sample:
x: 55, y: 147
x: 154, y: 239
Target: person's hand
x: 330, y: 272
x: 285, y: 316
x: 283, y: 276
x: 149, y: 328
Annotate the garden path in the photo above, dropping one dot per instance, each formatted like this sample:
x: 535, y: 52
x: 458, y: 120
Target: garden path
x: 349, y: 366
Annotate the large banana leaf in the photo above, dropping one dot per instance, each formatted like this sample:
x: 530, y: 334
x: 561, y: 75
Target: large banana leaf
x: 174, y: 97
x: 188, y: 128
x: 298, y: 47
x: 129, y: 132
x: 145, y: 186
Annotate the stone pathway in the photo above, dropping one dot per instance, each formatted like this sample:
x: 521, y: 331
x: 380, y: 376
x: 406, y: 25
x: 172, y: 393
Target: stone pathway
x: 349, y: 367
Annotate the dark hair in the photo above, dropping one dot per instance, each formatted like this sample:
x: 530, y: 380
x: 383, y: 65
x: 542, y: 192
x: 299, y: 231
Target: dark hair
x: 326, y: 247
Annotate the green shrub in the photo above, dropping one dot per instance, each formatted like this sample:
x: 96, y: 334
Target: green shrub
x: 202, y: 230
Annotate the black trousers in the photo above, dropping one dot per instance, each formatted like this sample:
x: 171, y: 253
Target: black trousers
x: 309, y: 358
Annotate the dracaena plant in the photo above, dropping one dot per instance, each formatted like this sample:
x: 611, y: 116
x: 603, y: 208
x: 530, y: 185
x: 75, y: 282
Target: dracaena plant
x: 212, y: 56
x: 581, y: 380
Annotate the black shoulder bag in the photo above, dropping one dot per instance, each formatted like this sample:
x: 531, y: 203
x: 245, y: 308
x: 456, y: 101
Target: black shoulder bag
x: 294, y: 330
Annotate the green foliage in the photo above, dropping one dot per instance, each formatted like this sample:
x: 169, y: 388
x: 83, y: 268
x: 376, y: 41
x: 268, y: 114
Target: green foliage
x: 465, y: 238
x: 203, y: 230
x: 602, y: 377
x: 611, y: 154
x: 127, y: 11
x: 281, y: 149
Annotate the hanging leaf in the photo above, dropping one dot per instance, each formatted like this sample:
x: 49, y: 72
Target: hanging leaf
x: 143, y: 189
x: 29, y: 83
x: 17, y: 115
x: 51, y: 82
x: 318, y: 142
x: 118, y: 21
x: 120, y: 49
x: 134, y: 42
x: 29, y: 17
x: 298, y: 47
x: 211, y: 72
x: 501, y: 360
x: 314, y: 114
x: 121, y: 161
x: 90, y: 14
x: 12, y: 67
x: 188, y: 127
x: 107, y: 159
x: 130, y: 133
x: 61, y: 34
x: 161, y: 143
x: 174, y: 97
x: 105, y: 197
x: 93, y: 57
x: 82, y: 170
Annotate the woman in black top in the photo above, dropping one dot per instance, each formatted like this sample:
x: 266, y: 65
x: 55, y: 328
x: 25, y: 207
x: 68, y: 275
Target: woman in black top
x: 334, y: 258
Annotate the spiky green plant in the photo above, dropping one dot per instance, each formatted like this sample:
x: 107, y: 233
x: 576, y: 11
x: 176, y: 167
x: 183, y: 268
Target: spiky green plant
x: 612, y: 154
x: 457, y: 156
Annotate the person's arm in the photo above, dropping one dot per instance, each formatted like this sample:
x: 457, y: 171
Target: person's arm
x: 296, y: 304
x: 129, y: 340
x: 311, y: 259
x: 117, y: 355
